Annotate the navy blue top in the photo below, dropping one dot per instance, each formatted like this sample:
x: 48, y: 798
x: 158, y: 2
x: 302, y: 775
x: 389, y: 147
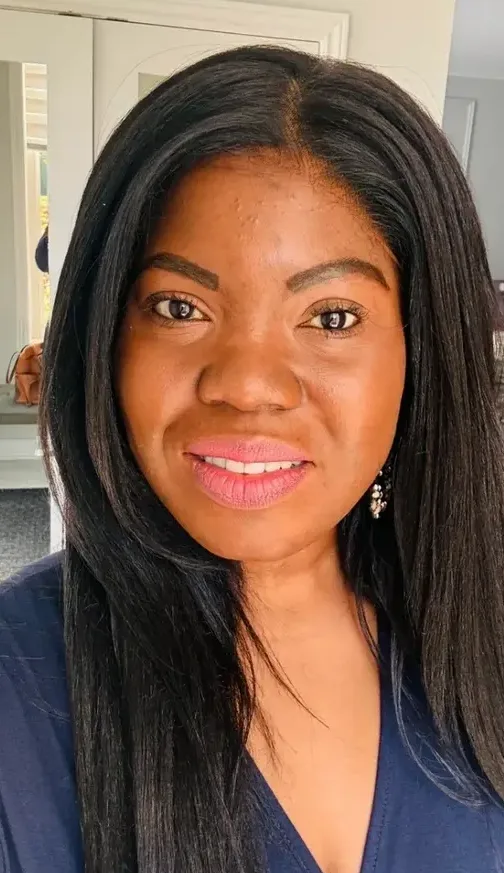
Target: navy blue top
x: 415, y: 827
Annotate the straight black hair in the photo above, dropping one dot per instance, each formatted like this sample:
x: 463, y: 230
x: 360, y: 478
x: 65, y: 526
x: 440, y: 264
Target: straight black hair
x: 153, y: 623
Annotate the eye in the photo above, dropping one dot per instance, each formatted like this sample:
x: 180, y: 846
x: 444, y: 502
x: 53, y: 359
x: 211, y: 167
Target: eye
x: 333, y: 320
x: 177, y: 309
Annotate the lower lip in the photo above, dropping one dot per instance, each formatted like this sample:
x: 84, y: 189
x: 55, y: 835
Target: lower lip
x: 241, y: 491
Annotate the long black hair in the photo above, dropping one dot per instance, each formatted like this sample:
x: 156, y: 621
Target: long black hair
x: 153, y: 623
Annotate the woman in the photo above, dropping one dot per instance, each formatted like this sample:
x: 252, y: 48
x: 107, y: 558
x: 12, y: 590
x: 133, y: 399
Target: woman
x: 270, y: 397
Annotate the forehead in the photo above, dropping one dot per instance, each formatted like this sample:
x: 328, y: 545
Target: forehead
x: 266, y: 208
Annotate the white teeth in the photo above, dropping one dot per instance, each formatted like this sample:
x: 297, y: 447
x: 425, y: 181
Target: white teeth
x: 235, y: 466
x: 253, y: 469
x: 272, y: 466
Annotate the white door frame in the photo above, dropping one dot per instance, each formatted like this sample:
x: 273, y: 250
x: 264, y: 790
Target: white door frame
x: 65, y: 45
x: 328, y: 29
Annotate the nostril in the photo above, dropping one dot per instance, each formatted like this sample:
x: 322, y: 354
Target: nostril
x: 249, y: 383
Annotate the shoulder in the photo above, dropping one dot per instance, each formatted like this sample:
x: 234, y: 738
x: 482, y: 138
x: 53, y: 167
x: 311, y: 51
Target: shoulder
x: 30, y: 581
x: 32, y: 657
x: 39, y: 821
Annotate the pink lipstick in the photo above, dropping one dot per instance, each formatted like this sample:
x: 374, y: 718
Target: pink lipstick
x: 244, y: 473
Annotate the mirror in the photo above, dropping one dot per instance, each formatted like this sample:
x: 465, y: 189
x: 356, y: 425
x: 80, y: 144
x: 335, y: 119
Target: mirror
x: 24, y: 310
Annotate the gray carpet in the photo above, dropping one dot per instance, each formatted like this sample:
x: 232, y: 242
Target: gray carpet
x: 24, y: 528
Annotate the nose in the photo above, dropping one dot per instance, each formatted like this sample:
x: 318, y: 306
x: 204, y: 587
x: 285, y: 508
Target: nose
x: 250, y: 376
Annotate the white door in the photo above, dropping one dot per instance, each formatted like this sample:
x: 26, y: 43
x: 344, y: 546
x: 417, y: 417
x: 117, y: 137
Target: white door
x: 129, y: 59
x: 64, y: 47
x: 46, y: 154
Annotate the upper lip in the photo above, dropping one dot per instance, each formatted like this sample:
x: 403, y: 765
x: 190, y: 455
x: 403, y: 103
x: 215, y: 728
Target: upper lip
x: 244, y: 449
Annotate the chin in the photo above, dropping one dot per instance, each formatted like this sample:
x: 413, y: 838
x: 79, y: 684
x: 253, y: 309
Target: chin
x: 253, y: 552
x: 250, y: 541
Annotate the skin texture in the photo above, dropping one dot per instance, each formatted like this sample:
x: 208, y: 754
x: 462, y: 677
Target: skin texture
x: 256, y: 363
x: 252, y: 369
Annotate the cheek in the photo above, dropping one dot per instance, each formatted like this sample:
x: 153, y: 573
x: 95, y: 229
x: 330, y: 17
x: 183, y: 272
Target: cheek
x: 153, y: 388
x: 361, y: 396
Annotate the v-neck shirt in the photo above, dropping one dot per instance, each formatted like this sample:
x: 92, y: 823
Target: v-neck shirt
x: 415, y: 826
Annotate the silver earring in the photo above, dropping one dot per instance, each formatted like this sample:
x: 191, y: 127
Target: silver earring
x: 380, y: 493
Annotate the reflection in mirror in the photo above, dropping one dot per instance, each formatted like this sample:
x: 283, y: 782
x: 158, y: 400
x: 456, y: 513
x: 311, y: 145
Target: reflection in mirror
x: 24, y: 310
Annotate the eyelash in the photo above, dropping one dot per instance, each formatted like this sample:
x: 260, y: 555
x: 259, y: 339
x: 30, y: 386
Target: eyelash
x: 327, y: 306
x: 162, y: 297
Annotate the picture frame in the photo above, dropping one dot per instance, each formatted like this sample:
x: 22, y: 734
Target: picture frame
x: 499, y: 290
x: 458, y: 123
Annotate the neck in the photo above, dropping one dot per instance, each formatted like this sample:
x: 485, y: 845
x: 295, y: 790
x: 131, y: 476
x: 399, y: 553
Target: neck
x: 307, y: 590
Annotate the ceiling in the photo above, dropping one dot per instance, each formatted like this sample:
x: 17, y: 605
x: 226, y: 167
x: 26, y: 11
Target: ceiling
x: 478, y: 39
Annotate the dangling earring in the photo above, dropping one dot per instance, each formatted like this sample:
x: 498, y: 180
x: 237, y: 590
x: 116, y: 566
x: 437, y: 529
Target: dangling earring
x: 380, y: 493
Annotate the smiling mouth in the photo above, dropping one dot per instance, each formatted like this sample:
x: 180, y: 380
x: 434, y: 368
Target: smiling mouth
x: 246, y: 473
x: 250, y: 469
x: 241, y: 485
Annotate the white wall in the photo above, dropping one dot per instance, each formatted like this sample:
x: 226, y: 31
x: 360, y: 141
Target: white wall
x: 8, y: 315
x: 486, y: 160
x: 408, y: 40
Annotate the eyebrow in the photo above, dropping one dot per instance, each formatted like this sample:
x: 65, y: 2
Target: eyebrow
x: 177, y: 264
x: 299, y: 282
x: 336, y: 270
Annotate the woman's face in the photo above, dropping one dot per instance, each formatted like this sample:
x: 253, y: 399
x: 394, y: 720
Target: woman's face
x: 262, y: 358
